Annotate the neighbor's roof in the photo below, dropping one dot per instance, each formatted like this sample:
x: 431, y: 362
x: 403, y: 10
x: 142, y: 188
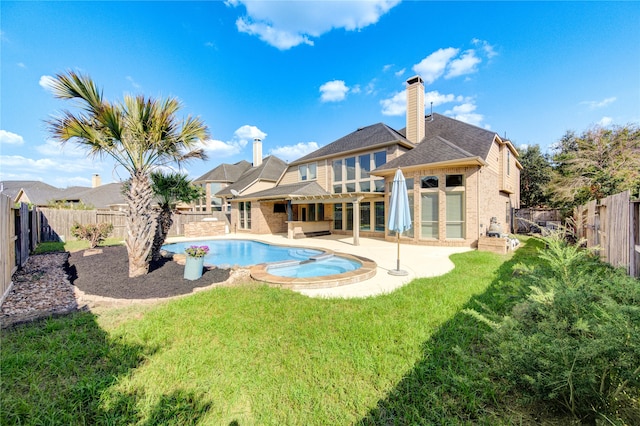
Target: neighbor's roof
x: 38, y: 193
x: 225, y: 172
x: 376, y: 135
x: 433, y: 150
x: 100, y: 197
x: 270, y: 170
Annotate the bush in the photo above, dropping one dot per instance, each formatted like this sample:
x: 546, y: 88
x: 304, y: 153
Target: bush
x: 94, y: 233
x: 574, y: 343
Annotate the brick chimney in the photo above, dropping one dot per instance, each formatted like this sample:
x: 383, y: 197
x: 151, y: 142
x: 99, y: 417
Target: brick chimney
x: 96, y: 181
x: 257, y: 152
x: 415, y: 109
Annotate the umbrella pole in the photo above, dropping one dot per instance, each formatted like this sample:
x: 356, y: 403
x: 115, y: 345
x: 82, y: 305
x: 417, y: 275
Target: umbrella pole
x: 398, y: 234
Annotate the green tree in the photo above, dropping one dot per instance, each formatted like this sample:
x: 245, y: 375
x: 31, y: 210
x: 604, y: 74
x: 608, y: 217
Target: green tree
x: 140, y: 134
x: 169, y: 189
x: 598, y: 163
x: 534, y: 177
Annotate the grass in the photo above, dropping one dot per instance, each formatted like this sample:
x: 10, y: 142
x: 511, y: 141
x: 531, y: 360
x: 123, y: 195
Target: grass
x: 259, y: 355
x: 73, y: 245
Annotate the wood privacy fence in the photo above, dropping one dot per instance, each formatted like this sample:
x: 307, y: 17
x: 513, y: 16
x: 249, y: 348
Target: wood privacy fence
x: 612, y: 226
x: 55, y: 224
x: 18, y: 237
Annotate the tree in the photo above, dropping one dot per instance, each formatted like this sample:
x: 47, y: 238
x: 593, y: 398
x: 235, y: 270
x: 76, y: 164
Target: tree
x: 535, y: 175
x: 596, y: 164
x: 169, y: 189
x: 140, y: 134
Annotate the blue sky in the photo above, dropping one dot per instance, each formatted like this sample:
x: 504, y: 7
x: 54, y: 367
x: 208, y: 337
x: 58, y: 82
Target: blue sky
x: 301, y: 74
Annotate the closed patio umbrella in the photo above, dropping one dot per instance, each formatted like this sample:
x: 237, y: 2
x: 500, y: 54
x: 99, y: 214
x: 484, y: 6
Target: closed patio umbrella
x: 399, y: 214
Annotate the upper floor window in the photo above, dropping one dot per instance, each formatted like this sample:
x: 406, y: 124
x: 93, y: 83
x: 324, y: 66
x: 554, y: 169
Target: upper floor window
x: 337, y: 170
x: 353, y: 174
x: 428, y: 182
x: 308, y: 171
x: 379, y: 158
x: 454, y: 180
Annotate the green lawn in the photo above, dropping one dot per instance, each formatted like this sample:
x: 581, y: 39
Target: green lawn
x: 262, y: 356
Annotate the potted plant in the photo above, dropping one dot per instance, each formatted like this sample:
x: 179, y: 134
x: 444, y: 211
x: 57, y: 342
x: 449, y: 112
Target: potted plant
x: 194, y: 261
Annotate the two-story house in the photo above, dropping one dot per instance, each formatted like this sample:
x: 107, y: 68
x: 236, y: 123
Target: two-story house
x: 458, y: 175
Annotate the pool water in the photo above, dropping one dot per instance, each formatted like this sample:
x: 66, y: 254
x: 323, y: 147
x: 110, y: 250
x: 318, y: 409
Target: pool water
x: 225, y: 253
x: 315, y: 268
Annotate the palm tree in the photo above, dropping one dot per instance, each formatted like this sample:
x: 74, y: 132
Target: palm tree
x: 140, y: 134
x: 169, y: 189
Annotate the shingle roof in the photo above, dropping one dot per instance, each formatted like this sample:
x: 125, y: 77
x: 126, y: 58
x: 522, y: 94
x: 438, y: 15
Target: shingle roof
x: 225, y: 172
x: 434, y: 150
x: 100, y: 197
x: 370, y: 136
x: 290, y: 190
x: 270, y: 170
x: 468, y: 137
x: 38, y: 193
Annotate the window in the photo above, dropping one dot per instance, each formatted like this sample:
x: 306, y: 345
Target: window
x: 427, y: 182
x: 379, y: 185
x: 244, y: 210
x: 279, y: 208
x: 312, y: 213
x: 365, y: 216
x: 454, y: 180
x: 349, y: 212
x: 337, y: 217
x: 365, y: 186
x: 455, y: 214
x: 350, y: 187
x: 350, y: 164
x: 429, y: 215
x: 337, y: 170
x: 379, y: 158
x: 379, y: 218
x: 308, y: 171
x: 337, y: 188
x: 365, y: 165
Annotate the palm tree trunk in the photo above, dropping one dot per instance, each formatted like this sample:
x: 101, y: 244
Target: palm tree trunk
x: 163, y: 225
x: 139, y: 224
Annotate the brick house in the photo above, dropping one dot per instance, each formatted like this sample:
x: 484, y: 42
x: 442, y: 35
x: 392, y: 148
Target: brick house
x: 459, y: 176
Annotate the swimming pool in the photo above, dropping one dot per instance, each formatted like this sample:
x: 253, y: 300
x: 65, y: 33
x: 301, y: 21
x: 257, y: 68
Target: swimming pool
x: 227, y: 253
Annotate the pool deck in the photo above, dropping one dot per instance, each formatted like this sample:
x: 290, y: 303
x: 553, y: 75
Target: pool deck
x: 418, y: 261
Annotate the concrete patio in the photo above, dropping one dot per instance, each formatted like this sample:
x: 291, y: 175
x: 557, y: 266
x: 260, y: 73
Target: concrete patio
x: 418, y: 261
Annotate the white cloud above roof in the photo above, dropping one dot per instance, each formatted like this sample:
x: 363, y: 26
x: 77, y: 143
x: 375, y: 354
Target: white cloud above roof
x: 465, y: 64
x: 465, y: 112
x: 240, y: 139
x: 10, y: 138
x: 293, y: 152
x: 599, y: 104
x: 46, y: 82
x: 433, y: 66
x: 286, y: 24
x: 333, y: 91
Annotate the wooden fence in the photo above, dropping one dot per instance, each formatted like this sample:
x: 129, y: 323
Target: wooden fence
x: 528, y: 218
x: 55, y: 224
x: 612, y: 227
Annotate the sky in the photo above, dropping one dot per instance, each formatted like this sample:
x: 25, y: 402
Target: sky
x: 301, y: 74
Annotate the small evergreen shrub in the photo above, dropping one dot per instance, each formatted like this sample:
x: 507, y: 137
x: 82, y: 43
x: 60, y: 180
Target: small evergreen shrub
x: 574, y: 342
x: 94, y: 233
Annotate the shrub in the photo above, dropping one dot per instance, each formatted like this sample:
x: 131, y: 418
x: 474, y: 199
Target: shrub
x: 574, y: 342
x: 94, y: 233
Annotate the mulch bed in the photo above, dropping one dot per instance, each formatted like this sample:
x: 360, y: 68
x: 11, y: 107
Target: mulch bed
x: 107, y: 274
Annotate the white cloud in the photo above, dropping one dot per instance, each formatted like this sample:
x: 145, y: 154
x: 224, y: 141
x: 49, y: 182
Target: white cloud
x: 599, y: 104
x: 465, y: 112
x: 400, y: 72
x: 241, y: 137
x: 286, y: 24
x: 293, y: 152
x: 46, y: 82
x: 9, y: 138
x: 52, y: 148
x: 605, y: 121
x: 333, y: 91
x: 133, y: 82
x: 395, y: 105
x: 465, y: 64
x: 440, y: 98
x: 488, y: 49
x: 21, y: 65
x: 45, y: 164
x: 434, y: 65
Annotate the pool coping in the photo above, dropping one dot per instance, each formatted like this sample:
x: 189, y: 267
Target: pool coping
x: 259, y: 271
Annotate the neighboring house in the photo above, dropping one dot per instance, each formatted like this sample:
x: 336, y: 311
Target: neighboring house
x: 101, y: 197
x: 459, y: 176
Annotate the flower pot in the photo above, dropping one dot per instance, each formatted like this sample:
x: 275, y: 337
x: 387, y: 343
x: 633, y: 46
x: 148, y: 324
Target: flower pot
x: 193, y: 267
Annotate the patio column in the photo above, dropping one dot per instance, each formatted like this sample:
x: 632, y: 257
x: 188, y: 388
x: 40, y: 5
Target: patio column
x: 356, y: 220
